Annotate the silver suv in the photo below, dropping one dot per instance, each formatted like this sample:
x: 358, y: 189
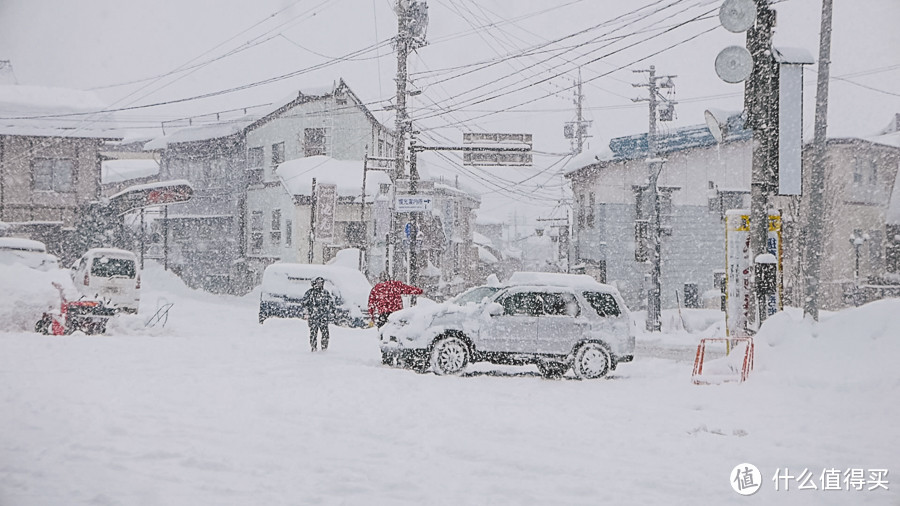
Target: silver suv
x: 555, y: 321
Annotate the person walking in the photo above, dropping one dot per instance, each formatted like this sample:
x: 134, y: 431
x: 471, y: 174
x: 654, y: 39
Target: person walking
x: 385, y: 298
x: 319, y: 305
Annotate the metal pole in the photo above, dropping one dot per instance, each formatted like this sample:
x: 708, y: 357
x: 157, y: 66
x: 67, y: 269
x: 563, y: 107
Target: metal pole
x: 166, y: 238
x: 142, y: 238
x: 413, y: 217
x: 654, y: 305
x: 579, y: 132
x: 816, y: 183
x: 312, y: 222
x: 757, y: 94
x: 362, y: 217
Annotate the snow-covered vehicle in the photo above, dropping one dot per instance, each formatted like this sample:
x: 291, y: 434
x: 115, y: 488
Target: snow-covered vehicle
x: 33, y: 254
x: 283, y: 285
x: 555, y: 321
x: 111, y: 274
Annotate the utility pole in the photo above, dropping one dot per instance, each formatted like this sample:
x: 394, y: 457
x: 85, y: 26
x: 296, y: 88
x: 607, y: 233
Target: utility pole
x: 654, y: 166
x: 577, y: 130
x: 760, y: 97
x: 312, y: 222
x: 816, y: 186
x: 412, y: 21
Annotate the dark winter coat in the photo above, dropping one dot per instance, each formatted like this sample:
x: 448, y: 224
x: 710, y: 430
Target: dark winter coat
x: 319, y: 305
x: 385, y: 297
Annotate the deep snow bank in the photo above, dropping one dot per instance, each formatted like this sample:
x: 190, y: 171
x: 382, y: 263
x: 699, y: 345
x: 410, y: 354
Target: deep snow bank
x: 26, y: 293
x: 853, y: 347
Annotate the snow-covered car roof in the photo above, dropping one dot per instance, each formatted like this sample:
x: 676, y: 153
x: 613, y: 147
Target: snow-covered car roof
x: 18, y: 243
x: 113, y: 252
x: 575, y: 281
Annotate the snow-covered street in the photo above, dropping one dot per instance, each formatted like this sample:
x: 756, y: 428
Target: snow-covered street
x: 216, y: 409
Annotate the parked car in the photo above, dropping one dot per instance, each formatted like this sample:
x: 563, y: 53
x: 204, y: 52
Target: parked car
x: 556, y: 322
x: 33, y: 254
x: 283, y: 285
x: 110, y: 274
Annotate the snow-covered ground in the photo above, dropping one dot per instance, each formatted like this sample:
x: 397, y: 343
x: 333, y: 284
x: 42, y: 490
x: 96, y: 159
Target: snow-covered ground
x: 215, y: 409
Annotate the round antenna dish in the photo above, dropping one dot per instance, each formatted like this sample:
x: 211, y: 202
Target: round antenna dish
x: 738, y: 15
x: 734, y: 64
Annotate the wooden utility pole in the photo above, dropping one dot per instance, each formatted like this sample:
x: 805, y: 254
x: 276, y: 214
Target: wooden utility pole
x: 816, y: 183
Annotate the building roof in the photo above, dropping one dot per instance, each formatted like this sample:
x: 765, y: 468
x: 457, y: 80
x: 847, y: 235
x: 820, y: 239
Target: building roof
x: 635, y: 146
x: 54, y: 112
x: 116, y: 171
x: 264, y: 113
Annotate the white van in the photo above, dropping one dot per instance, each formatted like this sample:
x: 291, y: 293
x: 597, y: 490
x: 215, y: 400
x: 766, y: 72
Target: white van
x: 15, y: 250
x: 111, y: 274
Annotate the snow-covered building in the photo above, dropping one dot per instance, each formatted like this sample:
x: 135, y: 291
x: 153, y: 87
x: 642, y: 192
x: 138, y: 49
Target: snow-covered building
x: 50, y: 143
x: 861, y: 222
x: 699, y: 181
x: 214, y: 241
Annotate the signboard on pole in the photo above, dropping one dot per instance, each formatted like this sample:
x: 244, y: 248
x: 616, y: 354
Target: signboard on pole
x: 413, y: 203
x: 739, y: 310
x: 496, y: 149
x: 326, y: 199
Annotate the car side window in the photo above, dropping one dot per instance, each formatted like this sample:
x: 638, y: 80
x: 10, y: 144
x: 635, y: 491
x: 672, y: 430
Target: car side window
x: 603, y: 303
x: 522, y: 304
x: 560, y: 304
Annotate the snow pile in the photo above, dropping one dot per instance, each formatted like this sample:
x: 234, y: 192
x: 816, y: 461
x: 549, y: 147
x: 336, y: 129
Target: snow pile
x: 854, y: 348
x: 34, y: 294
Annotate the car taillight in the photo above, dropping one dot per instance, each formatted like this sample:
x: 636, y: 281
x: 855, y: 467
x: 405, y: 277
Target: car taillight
x: 137, y: 285
x: 87, y: 279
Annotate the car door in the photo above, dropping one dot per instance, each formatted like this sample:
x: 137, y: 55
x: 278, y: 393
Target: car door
x: 515, y: 328
x: 561, y: 323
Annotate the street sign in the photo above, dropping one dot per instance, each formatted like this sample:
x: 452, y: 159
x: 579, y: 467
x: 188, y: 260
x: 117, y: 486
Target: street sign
x: 413, y: 203
x: 496, y: 149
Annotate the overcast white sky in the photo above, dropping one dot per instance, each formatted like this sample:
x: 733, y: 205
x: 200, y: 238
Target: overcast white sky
x: 105, y: 44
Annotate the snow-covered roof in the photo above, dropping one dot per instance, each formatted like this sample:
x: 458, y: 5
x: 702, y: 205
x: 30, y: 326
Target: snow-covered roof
x: 201, y: 132
x: 115, y: 171
x: 113, y: 252
x: 485, y: 256
x: 586, y: 158
x: 59, y: 112
x: 478, y: 238
x: 297, y: 175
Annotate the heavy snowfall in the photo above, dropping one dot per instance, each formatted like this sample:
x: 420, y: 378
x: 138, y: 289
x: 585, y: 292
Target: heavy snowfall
x: 646, y: 252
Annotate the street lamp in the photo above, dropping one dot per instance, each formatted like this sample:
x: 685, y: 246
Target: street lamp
x: 857, y: 240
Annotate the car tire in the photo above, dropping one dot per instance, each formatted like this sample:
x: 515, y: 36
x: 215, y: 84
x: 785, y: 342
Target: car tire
x: 388, y: 359
x: 449, y: 356
x: 552, y: 370
x: 592, y: 361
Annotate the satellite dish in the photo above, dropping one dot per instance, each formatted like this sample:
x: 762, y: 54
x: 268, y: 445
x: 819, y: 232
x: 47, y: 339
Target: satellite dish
x: 738, y: 15
x: 734, y: 64
x: 716, y: 128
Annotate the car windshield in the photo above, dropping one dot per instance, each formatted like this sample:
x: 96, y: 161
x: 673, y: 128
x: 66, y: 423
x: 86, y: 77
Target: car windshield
x: 475, y: 295
x: 108, y: 267
x: 603, y: 303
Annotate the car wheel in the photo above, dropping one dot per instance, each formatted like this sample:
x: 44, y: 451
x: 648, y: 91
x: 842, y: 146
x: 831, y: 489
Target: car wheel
x: 552, y: 369
x: 592, y: 360
x: 449, y: 355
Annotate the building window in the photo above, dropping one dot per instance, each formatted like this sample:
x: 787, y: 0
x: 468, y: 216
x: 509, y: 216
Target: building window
x: 288, y: 232
x: 275, y: 234
x: 314, y: 141
x: 54, y: 174
x: 255, y: 165
x: 256, y: 234
x: 277, y: 153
